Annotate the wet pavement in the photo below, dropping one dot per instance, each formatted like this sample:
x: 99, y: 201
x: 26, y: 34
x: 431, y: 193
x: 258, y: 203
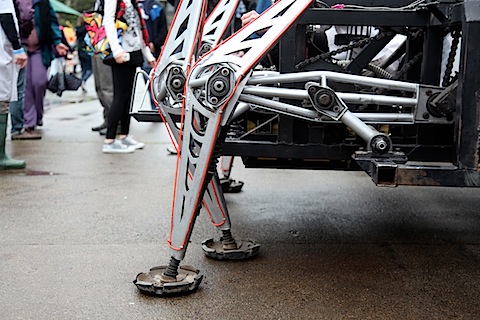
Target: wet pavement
x: 76, y: 226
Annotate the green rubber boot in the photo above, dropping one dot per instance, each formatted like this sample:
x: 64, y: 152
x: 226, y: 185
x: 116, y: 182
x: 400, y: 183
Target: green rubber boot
x: 5, y: 161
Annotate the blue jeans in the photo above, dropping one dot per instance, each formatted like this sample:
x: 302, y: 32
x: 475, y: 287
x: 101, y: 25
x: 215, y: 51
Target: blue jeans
x: 16, y: 107
x: 147, y: 69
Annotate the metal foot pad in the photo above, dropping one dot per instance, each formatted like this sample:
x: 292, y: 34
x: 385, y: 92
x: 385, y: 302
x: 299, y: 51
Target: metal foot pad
x: 231, y: 186
x: 245, y: 249
x: 188, y: 280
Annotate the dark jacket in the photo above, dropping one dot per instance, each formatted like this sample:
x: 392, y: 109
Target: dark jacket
x: 48, y: 30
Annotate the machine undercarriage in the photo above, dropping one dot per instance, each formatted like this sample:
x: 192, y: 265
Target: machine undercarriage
x: 393, y: 91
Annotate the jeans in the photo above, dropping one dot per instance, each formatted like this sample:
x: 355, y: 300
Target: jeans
x: 147, y: 69
x: 16, y: 107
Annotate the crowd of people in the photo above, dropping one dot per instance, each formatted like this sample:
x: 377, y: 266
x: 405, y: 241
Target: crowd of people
x: 35, y: 47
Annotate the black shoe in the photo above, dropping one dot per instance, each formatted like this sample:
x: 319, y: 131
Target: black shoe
x: 100, y: 127
x: 103, y: 131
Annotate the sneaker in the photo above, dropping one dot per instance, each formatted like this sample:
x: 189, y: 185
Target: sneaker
x: 130, y: 142
x: 27, y: 135
x: 117, y: 147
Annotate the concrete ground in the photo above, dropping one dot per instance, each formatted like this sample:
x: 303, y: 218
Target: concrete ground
x: 77, y: 226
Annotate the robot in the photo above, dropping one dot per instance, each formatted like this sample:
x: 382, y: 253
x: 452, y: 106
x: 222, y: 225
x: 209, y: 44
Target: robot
x: 416, y: 126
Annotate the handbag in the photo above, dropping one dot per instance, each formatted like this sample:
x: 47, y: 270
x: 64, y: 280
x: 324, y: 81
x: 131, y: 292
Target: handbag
x: 96, y: 40
x: 62, y: 81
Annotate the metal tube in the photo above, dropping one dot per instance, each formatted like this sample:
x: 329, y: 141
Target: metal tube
x: 280, y: 107
x: 376, y: 99
x: 336, y: 76
x: 385, y: 117
x: 300, y: 94
x: 239, y: 110
x: 314, y: 116
x: 359, y: 127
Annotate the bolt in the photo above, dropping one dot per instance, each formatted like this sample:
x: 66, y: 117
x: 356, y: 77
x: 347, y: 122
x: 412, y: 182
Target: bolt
x: 219, y: 85
x: 177, y: 83
x: 225, y: 72
x: 380, y: 145
x: 425, y: 115
x: 214, y: 100
x: 324, y: 99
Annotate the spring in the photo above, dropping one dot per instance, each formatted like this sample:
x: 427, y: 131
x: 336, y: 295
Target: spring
x: 227, y: 237
x: 172, y: 269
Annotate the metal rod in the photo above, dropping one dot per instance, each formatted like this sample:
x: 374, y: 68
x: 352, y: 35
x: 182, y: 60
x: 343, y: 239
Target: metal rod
x: 300, y: 94
x: 340, y: 77
x: 312, y: 115
x: 359, y: 127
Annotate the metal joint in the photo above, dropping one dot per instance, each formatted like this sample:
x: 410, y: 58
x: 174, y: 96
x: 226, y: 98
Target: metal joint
x: 325, y: 101
x: 219, y: 86
x: 175, y: 83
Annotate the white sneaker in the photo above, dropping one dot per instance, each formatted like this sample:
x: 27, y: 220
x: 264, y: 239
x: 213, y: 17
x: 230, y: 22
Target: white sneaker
x: 171, y: 150
x: 117, y: 147
x: 130, y: 142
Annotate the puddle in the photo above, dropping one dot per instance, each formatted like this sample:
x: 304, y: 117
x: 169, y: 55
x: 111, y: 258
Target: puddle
x: 29, y: 172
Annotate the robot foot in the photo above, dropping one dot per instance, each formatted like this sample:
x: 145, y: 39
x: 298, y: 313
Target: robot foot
x: 155, y: 283
x: 245, y: 249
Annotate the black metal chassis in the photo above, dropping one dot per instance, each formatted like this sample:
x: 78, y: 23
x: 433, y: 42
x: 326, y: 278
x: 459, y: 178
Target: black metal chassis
x: 435, y: 154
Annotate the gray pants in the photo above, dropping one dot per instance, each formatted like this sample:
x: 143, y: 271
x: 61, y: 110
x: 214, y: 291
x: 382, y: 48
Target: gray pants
x: 103, y: 84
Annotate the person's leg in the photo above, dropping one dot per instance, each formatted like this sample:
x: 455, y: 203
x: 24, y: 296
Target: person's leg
x: 123, y: 76
x: 16, y: 107
x: 5, y: 161
x: 104, y: 87
x: 122, y: 85
x: 35, y: 91
x: 86, y: 66
x: 127, y: 90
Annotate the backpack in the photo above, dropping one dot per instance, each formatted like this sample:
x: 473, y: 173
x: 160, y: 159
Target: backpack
x: 96, y: 41
x: 25, y: 19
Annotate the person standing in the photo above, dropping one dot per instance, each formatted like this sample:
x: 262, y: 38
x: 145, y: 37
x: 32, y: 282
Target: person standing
x: 25, y: 25
x: 12, y: 56
x: 83, y: 56
x: 45, y: 36
x: 127, y: 56
x: 156, y: 21
x: 102, y: 75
